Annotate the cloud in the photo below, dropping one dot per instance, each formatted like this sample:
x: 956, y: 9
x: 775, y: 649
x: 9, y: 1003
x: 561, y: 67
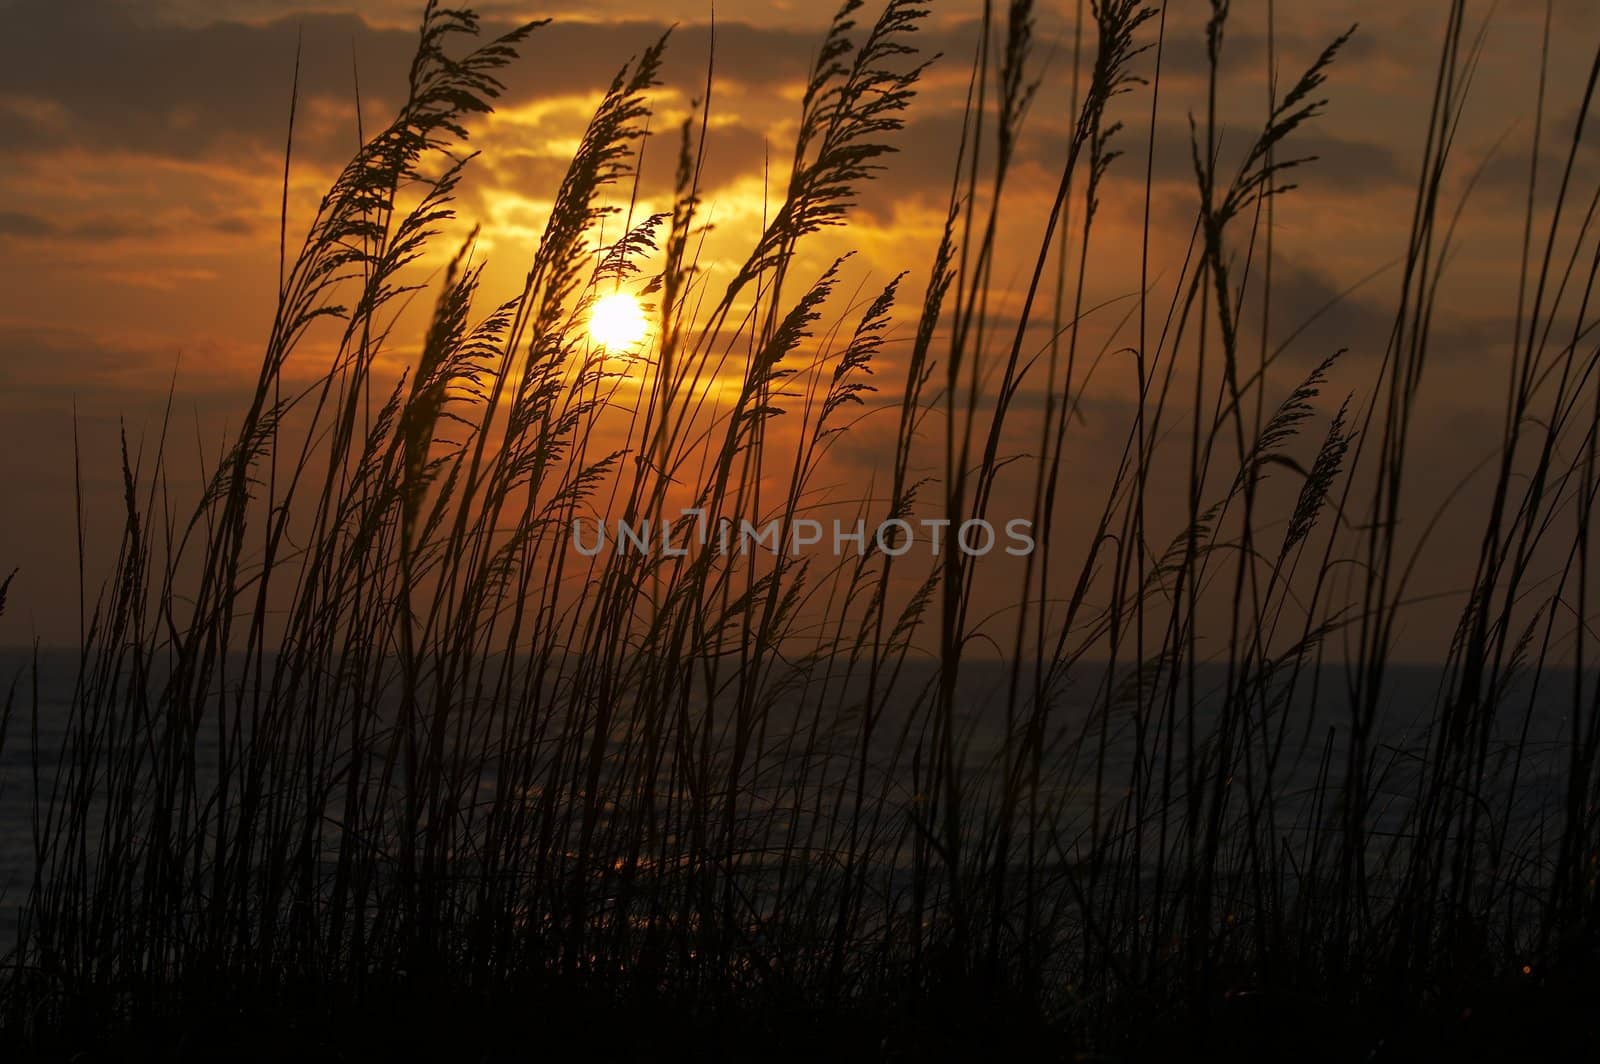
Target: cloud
x: 108, y: 227
x: 56, y: 363
x: 21, y: 223
x: 147, y: 138
x: 99, y: 79
x: 91, y: 75
x: 102, y: 370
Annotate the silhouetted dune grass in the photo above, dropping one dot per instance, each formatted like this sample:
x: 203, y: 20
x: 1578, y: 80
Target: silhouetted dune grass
x: 363, y: 758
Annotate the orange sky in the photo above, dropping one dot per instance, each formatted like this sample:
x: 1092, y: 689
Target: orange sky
x: 139, y: 209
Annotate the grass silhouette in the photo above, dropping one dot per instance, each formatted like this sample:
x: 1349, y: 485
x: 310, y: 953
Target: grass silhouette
x: 363, y: 758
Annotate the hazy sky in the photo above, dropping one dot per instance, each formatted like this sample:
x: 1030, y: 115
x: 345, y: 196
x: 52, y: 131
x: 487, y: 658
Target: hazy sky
x: 139, y: 208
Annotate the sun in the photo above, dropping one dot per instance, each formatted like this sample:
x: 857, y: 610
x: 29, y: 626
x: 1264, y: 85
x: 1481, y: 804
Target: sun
x: 617, y: 322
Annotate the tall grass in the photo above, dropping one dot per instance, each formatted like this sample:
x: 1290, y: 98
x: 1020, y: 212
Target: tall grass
x: 361, y: 734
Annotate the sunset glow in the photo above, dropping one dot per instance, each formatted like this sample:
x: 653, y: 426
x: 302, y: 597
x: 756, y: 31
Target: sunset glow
x: 882, y: 530
x: 617, y: 322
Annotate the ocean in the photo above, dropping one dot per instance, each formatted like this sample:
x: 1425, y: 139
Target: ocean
x: 1090, y: 758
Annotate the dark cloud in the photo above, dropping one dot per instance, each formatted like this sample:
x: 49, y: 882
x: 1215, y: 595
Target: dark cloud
x: 106, y: 227
x: 1331, y: 163
x: 17, y: 223
x: 1336, y: 164
x: 1314, y: 316
x: 67, y: 366
x: 106, y: 76
x: 1185, y: 56
x: 57, y: 363
x: 117, y: 83
x: 95, y: 76
x: 1506, y: 170
x: 20, y: 223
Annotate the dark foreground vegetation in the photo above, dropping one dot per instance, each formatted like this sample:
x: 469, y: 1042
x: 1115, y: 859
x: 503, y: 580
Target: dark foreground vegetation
x: 364, y: 760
